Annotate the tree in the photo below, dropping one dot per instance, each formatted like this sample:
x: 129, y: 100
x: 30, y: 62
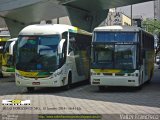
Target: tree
x: 152, y: 25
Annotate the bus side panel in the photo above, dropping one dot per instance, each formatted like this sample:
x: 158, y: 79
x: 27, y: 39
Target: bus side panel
x: 148, y: 47
x: 81, y: 61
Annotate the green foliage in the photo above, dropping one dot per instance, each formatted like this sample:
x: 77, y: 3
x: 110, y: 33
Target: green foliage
x: 152, y: 25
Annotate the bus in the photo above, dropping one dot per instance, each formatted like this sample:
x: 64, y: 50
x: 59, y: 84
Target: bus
x: 52, y: 56
x: 8, y: 58
x: 3, y: 40
x: 121, y: 56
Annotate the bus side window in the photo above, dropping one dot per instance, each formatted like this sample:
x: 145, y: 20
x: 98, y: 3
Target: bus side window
x: 88, y: 49
x: 70, y: 47
x: 14, y: 52
x: 65, y: 36
x: 72, y: 41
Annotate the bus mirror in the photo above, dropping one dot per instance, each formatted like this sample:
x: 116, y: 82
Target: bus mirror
x: 60, y: 46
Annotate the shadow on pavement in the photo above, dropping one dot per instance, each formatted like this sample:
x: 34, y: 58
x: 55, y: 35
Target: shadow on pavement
x: 149, y: 95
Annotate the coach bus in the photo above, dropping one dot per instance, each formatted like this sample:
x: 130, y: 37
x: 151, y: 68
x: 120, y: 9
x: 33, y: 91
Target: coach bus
x: 52, y: 56
x: 121, y: 56
x: 3, y: 40
x: 8, y: 58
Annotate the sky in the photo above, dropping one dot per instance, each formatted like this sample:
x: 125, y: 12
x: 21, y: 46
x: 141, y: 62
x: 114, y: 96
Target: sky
x: 145, y: 9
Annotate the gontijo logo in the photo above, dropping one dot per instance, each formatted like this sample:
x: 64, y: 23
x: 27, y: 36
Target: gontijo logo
x: 16, y: 102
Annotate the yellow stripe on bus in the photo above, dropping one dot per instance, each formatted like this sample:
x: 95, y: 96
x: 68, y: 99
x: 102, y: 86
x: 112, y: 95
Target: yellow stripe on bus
x: 28, y: 74
x: 106, y: 70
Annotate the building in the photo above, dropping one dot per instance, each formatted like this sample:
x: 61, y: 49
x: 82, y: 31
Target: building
x: 137, y: 21
x: 116, y: 18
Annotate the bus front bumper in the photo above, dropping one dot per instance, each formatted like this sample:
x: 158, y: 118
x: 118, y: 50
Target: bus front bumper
x: 8, y: 74
x: 115, y: 81
x: 8, y: 71
x: 39, y: 82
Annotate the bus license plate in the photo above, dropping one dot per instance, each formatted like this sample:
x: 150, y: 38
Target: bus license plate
x: 35, y: 83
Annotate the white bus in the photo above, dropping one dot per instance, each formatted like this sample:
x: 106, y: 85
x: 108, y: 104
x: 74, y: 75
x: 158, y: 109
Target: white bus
x: 52, y: 56
x: 121, y: 56
x: 8, y: 58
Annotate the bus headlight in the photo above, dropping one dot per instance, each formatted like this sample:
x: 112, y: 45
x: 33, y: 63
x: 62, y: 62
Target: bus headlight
x: 19, y: 76
x: 133, y: 74
x: 137, y: 74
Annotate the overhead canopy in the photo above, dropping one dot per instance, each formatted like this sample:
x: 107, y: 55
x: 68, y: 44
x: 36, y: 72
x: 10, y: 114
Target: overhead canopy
x: 86, y: 14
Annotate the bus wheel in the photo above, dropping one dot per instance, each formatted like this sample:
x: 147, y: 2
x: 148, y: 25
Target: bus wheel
x: 139, y: 87
x: 101, y: 88
x: 30, y: 89
x: 68, y: 86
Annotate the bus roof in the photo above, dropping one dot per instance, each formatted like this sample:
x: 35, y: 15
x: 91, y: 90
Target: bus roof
x: 13, y: 39
x: 118, y: 28
x: 50, y: 29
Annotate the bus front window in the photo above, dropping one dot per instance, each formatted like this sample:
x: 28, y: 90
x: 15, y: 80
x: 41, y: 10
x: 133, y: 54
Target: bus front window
x: 125, y: 56
x: 37, y: 53
x: 103, y: 55
x: 114, y: 56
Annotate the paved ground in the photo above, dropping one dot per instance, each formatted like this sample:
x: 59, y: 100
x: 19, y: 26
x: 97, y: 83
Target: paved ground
x: 83, y: 99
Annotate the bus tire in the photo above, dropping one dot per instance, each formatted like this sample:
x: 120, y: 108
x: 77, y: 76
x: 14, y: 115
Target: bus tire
x: 30, y: 89
x: 139, y: 87
x: 68, y: 86
x: 101, y: 88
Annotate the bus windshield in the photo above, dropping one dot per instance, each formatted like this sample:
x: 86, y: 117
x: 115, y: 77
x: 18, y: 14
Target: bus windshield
x: 114, y: 56
x: 37, y: 53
